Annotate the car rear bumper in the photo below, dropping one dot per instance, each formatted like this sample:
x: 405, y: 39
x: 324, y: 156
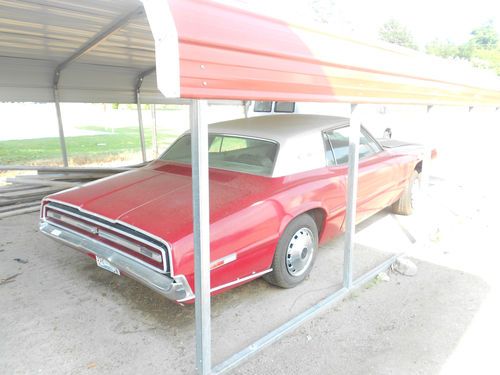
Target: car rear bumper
x: 175, y: 289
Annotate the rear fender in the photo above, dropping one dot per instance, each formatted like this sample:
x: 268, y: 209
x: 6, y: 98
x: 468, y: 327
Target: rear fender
x: 301, y: 210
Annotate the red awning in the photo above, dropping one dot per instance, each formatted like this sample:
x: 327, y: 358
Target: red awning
x: 229, y: 53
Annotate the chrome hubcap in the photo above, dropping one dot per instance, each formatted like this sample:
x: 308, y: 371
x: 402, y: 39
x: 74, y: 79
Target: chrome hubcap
x: 299, y: 253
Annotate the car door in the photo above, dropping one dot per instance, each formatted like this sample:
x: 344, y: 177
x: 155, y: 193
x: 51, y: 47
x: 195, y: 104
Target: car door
x: 375, y: 169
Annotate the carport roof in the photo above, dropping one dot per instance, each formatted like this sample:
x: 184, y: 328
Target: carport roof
x: 103, y: 47
x: 36, y: 36
x: 230, y: 53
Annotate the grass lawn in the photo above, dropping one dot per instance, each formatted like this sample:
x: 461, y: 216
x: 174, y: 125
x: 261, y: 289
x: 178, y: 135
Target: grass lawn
x: 85, y: 147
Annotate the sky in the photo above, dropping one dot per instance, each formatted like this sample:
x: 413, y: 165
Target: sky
x: 426, y: 19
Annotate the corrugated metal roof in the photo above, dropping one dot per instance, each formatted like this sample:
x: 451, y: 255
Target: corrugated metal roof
x: 225, y: 53
x: 231, y: 53
x: 37, y: 35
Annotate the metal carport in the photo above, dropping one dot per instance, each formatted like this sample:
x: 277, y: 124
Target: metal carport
x: 206, y: 50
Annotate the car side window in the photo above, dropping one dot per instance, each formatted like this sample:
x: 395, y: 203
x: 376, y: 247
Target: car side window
x: 339, y: 142
x: 371, y: 147
x: 330, y: 159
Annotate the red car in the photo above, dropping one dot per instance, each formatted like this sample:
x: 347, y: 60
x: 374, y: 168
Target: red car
x: 277, y: 189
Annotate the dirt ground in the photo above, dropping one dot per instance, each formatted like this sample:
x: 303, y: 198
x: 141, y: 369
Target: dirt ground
x: 60, y: 314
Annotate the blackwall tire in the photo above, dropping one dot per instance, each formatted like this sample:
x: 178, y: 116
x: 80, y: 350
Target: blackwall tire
x: 295, y: 254
x: 408, y: 202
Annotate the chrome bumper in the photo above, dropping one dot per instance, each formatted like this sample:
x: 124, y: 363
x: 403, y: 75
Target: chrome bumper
x: 175, y: 289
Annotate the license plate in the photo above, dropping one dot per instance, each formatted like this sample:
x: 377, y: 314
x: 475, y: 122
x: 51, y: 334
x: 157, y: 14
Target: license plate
x: 103, y: 263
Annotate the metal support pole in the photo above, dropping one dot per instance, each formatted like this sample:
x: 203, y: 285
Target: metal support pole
x: 352, y: 190
x: 62, y: 139
x: 426, y: 159
x: 141, y: 126
x: 155, y: 132
x: 201, y: 235
x: 246, y: 107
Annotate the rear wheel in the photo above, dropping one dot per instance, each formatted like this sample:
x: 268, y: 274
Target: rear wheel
x: 409, y: 201
x: 295, y: 253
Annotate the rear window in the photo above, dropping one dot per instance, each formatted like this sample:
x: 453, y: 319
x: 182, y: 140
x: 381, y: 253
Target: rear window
x: 234, y: 153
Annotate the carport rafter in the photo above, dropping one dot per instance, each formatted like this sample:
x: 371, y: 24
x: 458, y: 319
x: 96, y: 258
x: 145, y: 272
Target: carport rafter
x: 96, y: 40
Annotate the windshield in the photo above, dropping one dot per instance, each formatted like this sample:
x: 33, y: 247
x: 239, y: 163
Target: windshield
x: 234, y: 153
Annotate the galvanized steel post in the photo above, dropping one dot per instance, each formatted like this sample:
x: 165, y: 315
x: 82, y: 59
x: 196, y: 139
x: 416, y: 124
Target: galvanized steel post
x: 155, y: 132
x: 141, y: 126
x: 352, y: 190
x: 201, y: 235
x: 62, y: 139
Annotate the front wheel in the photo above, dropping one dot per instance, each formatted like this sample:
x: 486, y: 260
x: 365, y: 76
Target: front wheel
x: 408, y: 202
x: 295, y: 253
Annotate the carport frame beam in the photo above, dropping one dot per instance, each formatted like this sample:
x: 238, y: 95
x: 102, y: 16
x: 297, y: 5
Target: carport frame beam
x: 201, y: 235
x: 62, y: 138
x: 352, y: 191
x: 138, y: 86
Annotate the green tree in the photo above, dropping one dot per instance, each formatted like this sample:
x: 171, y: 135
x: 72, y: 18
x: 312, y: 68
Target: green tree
x: 466, y: 50
x: 441, y: 48
x: 488, y: 59
x: 394, y: 32
x: 449, y: 49
x: 482, y: 49
x: 485, y: 36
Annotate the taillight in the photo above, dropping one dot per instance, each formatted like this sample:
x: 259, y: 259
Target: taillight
x: 434, y: 154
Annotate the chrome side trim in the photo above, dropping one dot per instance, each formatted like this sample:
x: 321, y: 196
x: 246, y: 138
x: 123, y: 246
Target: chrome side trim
x: 167, y: 245
x: 235, y: 282
x: 243, y: 279
x: 172, y: 288
x: 223, y: 261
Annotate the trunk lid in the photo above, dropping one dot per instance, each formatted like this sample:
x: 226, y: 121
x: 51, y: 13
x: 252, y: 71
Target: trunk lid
x: 158, y: 198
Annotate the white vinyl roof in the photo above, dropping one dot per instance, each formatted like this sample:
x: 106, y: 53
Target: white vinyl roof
x: 278, y: 128
x: 104, y: 46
